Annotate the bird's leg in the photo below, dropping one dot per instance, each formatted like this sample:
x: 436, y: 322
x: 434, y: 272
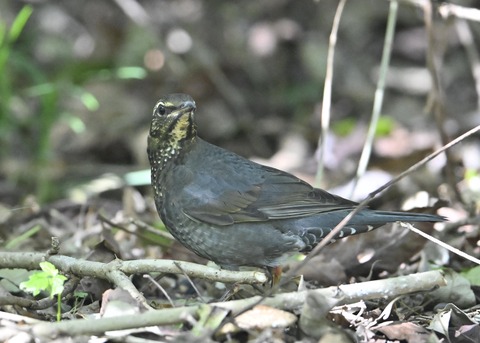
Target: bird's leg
x: 274, y: 274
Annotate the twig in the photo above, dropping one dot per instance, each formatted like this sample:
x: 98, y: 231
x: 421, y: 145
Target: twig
x: 150, y: 229
x: 41, y: 304
x: 122, y: 281
x: 423, y: 161
x: 327, y: 91
x: 364, y: 203
x: 164, y: 292
x: 5, y: 316
x: 134, y: 11
x: 143, y: 226
x: 190, y: 281
x: 466, y: 39
x: 468, y: 13
x: 288, y: 301
x: 66, y: 264
x: 435, y: 102
x: 440, y: 243
x: 379, y: 92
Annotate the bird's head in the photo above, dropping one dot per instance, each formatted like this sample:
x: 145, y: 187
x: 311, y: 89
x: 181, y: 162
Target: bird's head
x: 172, y: 119
x: 172, y: 125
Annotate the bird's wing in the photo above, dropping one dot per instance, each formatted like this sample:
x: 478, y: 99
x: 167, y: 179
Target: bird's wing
x: 272, y: 195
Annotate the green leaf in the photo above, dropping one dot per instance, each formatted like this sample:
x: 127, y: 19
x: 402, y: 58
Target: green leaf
x: 344, y: 127
x: 37, y: 283
x: 90, y: 101
x: 23, y: 237
x: 131, y: 73
x: 20, y: 22
x: 472, y: 275
x: 57, y: 285
x: 471, y: 174
x: 48, y: 280
x: 80, y: 294
x: 75, y: 123
x: 48, y: 268
x: 384, y: 126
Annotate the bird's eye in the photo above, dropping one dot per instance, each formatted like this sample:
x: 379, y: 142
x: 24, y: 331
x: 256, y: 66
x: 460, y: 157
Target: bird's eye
x: 161, y: 110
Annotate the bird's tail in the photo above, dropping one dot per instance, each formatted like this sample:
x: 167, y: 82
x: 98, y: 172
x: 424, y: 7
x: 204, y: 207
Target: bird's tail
x: 382, y: 217
x: 368, y: 220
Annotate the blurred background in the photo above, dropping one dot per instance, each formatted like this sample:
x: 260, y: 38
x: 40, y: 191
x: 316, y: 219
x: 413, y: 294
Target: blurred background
x: 79, y: 81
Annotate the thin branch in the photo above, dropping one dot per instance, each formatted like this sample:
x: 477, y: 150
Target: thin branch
x: 327, y: 91
x: 66, y: 264
x: 440, y: 243
x: 134, y: 11
x: 435, y: 103
x: 468, y: 13
x: 351, y: 293
x: 466, y: 39
x: 41, y: 304
x: 164, y: 292
x: 190, y: 282
x: 141, y: 225
x: 122, y: 281
x: 379, y: 93
x: 364, y: 203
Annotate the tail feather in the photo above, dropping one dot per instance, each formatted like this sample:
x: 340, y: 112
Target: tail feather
x: 364, y: 221
x: 368, y: 220
x: 410, y: 216
x: 382, y: 217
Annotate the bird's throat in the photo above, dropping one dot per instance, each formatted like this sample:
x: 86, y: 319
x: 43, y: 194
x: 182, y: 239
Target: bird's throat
x: 162, y: 155
x: 182, y: 129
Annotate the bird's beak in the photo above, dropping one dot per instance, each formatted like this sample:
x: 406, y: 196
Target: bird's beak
x: 188, y: 106
x: 187, y: 109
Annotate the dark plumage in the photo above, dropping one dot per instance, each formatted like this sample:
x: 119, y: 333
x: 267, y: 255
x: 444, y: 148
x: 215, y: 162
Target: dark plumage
x: 236, y: 212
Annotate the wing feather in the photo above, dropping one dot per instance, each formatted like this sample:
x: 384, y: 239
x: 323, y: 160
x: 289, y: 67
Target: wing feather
x: 277, y: 195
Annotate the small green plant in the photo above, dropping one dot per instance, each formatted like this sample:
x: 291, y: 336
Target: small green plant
x: 8, y: 37
x: 48, y: 280
x: 79, y: 298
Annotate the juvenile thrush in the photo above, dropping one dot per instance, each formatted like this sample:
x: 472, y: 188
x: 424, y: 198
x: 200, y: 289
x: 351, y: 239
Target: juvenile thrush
x: 236, y: 212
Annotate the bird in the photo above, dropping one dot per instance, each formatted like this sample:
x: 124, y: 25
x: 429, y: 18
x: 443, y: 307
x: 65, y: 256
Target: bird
x: 236, y: 212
